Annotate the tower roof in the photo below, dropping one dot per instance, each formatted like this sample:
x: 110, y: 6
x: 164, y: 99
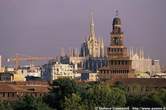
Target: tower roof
x: 116, y: 20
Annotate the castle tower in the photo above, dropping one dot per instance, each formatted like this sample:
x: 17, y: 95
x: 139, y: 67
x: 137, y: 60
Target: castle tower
x: 119, y: 63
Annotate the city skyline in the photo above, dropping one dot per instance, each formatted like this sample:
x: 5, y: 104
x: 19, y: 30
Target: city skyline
x: 33, y: 28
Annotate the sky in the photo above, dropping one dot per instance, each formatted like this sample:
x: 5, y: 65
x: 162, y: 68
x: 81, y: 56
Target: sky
x: 42, y: 27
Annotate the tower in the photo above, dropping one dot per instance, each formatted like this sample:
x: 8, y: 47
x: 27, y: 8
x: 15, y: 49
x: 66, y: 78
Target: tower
x: 92, y: 47
x: 92, y: 28
x: 119, y: 63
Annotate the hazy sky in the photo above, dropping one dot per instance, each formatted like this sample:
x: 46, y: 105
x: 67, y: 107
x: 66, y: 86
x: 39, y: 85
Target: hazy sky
x: 41, y: 27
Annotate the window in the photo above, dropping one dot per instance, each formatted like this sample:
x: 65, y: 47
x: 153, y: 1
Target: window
x: 122, y: 62
x: 115, y: 62
x: 119, y: 62
x: 117, y: 49
x: 3, y: 94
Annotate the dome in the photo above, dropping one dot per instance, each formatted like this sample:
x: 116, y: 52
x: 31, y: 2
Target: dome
x: 116, y: 21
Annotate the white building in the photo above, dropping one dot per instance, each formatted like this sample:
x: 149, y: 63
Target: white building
x: 32, y: 70
x: 156, y: 67
x: 9, y: 69
x: 141, y: 64
x: 55, y: 70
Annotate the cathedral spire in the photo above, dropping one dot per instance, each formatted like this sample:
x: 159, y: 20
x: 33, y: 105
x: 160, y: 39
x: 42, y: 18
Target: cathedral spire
x: 142, y: 52
x: 92, y: 26
x: 132, y: 51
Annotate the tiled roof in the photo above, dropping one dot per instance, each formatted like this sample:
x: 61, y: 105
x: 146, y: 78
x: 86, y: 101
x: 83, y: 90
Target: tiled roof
x: 24, y: 87
x: 6, y: 88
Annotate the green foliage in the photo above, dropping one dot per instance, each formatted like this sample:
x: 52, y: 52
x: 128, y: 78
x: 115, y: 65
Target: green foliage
x: 104, y: 96
x: 120, y: 85
x: 61, y: 88
x: 64, y: 86
x: 67, y: 94
x: 159, y: 97
x: 155, y: 99
x: 73, y: 102
x: 5, y: 105
x: 30, y: 103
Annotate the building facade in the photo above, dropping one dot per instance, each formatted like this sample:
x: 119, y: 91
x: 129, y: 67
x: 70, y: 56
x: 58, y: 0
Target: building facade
x: 11, y: 91
x: 119, y: 63
x: 142, y: 65
x: 55, y: 70
x: 88, y: 76
x: 31, y: 70
x: 93, y: 64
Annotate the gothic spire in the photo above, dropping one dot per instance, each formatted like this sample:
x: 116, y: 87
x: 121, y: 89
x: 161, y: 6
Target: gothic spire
x: 92, y: 26
x: 142, y: 52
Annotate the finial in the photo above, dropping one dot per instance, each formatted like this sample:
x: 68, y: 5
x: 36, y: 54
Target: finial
x: 117, y: 12
x: 92, y: 28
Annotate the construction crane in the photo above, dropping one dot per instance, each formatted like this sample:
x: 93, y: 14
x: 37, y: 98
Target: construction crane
x: 18, y: 58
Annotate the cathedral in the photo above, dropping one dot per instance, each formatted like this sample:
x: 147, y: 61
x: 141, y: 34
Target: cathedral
x: 92, y: 47
x: 119, y: 63
x: 143, y: 65
x: 91, y: 56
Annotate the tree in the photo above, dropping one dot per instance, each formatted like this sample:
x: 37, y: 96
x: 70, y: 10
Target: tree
x: 30, y: 103
x: 120, y: 85
x: 154, y: 99
x: 62, y: 88
x: 5, y: 105
x: 67, y: 94
x: 159, y: 97
x: 104, y: 96
x: 73, y: 102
